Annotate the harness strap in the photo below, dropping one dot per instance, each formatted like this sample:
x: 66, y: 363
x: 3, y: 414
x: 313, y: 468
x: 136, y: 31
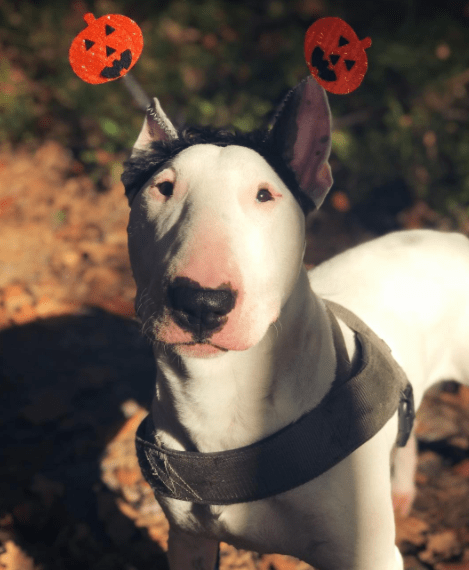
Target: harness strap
x: 406, y: 403
x: 352, y: 412
x: 344, y: 366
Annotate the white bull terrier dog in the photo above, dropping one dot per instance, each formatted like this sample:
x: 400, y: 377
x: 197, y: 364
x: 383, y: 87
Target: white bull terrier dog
x: 277, y: 412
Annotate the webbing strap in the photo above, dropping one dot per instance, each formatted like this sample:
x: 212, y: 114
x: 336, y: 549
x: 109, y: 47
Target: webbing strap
x: 351, y: 413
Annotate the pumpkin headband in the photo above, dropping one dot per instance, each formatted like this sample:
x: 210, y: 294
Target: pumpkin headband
x: 335, y: 56
x: 106, y: 49
x: 111, y: 45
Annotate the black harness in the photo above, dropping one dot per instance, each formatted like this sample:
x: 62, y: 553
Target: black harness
x: 360, y: 402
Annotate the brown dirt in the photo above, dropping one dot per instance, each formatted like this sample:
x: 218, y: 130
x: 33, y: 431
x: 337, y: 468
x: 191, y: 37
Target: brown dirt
x: 77, y: 378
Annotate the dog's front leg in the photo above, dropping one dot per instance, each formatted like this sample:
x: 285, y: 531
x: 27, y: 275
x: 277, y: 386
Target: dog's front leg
x: 188, y: 552
x: 403, y: 479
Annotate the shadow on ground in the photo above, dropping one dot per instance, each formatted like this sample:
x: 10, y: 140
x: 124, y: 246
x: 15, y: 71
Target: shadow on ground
x: 68, y: 385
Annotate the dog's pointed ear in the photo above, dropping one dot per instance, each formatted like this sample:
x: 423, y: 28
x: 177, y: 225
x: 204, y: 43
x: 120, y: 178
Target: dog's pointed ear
x: 156, y: 127
x: 302, y: 134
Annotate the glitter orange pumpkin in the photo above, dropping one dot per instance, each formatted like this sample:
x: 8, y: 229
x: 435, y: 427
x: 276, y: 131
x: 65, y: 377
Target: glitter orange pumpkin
x: 106, y: 49
x: 335, y: 56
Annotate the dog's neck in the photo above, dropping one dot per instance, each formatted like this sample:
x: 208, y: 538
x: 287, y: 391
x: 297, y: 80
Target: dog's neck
x: 238, y: 398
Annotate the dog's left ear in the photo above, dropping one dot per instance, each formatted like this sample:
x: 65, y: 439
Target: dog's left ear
x: 156, y: 127
x: 302, y: 134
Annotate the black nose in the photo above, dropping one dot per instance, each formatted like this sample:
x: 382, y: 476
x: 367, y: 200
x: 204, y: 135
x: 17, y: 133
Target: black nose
x: 200, y: 310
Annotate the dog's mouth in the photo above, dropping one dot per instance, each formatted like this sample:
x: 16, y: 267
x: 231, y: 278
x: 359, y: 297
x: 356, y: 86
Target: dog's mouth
x: 196, y: 349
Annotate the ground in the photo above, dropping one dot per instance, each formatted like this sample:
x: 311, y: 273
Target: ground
x: 77, y: 378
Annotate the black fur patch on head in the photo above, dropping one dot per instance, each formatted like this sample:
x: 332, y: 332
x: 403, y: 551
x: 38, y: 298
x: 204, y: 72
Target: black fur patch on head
x: 139, y: 168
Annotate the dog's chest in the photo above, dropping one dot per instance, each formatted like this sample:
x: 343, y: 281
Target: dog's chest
x: 320, y: 511
x: 263, y: 526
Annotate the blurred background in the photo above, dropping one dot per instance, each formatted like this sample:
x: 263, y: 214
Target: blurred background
x: 76, y: 375
x: 228, y: 63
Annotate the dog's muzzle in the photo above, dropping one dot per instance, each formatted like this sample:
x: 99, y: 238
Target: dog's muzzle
x: 199, y: 310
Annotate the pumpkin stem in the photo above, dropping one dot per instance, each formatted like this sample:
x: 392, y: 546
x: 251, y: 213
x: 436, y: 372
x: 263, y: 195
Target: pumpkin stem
x: 89, y: 18
x: 366, y: 43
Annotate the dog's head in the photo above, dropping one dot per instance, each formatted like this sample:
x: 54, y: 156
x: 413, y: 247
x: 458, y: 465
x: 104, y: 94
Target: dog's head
x: 216, y: 229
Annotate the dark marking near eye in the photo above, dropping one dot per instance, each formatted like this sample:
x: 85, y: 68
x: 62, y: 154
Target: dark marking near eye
x: 324, y: 139
x: 334, y: 58
x: 109, y: 51
x: 88, y: 44
x: 109, y: 29
x: 343, y: 41
x: 349, y: 64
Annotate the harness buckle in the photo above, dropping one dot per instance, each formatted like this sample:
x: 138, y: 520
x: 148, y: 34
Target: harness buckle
x: 406, y: 416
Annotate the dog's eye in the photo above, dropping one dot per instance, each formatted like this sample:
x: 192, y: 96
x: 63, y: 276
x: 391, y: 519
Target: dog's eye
x: 264, y: 195
x: 165, y: 188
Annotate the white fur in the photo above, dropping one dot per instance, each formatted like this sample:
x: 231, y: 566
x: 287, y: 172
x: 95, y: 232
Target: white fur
x: 278, y: 360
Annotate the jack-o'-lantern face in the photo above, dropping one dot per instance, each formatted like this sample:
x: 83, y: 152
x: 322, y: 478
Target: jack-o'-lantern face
x: 106, y: 49
x: 335, y: 56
